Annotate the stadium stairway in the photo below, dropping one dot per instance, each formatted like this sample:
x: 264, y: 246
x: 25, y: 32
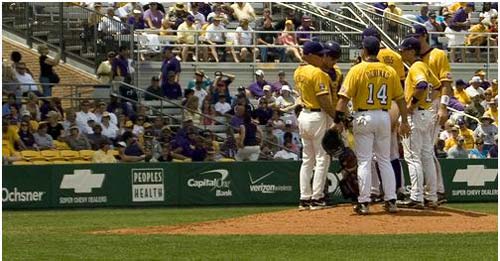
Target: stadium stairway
x: 68, y: 74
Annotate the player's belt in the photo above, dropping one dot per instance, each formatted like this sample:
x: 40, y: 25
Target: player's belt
x: 371, y: 110
x: 312, y: 109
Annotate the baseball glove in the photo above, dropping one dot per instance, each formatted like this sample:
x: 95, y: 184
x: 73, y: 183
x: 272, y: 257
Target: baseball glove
x: 349, y: 182
x: 332, y: 143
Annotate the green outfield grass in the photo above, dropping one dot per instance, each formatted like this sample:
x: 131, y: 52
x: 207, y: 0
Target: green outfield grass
x: 59, y: 235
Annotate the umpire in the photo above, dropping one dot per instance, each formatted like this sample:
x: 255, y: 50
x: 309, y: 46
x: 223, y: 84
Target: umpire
x: 315, y: 88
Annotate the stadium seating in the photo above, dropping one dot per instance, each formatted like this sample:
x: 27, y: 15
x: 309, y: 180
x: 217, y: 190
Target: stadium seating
x: 41, y: 162
x: 31, y: 155
x: 70, y: 154
x: 22, y: 162
x: 51, y: 155
x: 86, y: 154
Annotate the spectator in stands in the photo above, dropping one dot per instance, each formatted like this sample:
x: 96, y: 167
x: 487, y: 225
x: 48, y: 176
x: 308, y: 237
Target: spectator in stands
x: 214, y: 36
x: 243, y: 10
x: 263, y: 113
x: 424, y: 12
x: 166, y: 154
x: 305, y: 27
x: 208, y: 110
x: 452, y: 140
x: 177, y: 14
x: 290, y: 16
x: 183, y: 145
x: 494, y: 87
x: 83, y: 116
x: 15, y: 58
x: 433, y: 26
x: 153, y: 16
x: 476, y: 152
x: 221, y: 86
x: 276, y: 86
x: 26, y: 135
x: 492, y: 110
x: 196, y: 13
x: 171, y: 89
x: 380, y: 7
x: 393, y: 14
x: 32, y: 106
x: 99, y: 111
x: 104, y: 154
x: 268, y: 39
x: 200, y: 151
x: 192, y: 103
x: 43, y: 141
x: 244, y: 36
x: 286, y: 154
x: 229, y: 148
x: 152, y: 148
x: 475, y: 87
x: 52, y: 104
x: 54, y: 128
x: 241, y: 98
x: 290, y: 41
x: 458, y: 151
x: 486, y: 131
x: 158, y: 124
x: 256, y: 88
x: 186, y: 38
x: 69, y: 121
x: 10, y: 137
x: 217, y: 12
x: 250, y: 140
x: 120, y: 66
x: 460, y: 93
x: 466, y: 133
x: 484, y: 82
x: 167, y: 27
x: 474, y: 109
x: 239, y: 113
x: 137, y: 20
x: 26, y: 80
x: 110, y: 25
x: 266, y: 15
x: 199, y: 81
x: 286, y: 104
x: 48, y: 77
x: 222, y: 106
x: 129, y: 150
x: 104, y: 71
x: 166, y: 135
x: 97, y: 138
x: 11, y: 101
x: 268, y: 96
x: 14, y: 115
x: 493, y: 152
x: 477, y: 37
x: 138, y: 127
x: 487, y: 96
x: 460, y: 23
x: 154, y: 88
x: 109, y: 129
x: 170, y: 64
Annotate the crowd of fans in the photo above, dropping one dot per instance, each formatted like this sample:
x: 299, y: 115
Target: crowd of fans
x: 265, y: 110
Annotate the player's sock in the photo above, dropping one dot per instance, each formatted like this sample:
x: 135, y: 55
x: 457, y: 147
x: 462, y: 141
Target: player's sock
x: 396, y: 166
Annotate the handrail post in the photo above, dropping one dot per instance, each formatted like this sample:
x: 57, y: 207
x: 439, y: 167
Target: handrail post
x: 196, y: 51
x: 488, y: 59
x: 29, y: 22
x: 61, y: 32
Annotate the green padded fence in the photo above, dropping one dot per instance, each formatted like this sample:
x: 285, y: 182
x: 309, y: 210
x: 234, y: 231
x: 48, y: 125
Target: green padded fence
x: 176, y: 184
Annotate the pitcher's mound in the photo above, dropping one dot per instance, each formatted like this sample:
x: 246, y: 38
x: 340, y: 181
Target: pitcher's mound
x: 337, y: 220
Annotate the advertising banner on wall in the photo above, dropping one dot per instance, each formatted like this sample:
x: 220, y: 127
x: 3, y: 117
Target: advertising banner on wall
x: 148, y: 184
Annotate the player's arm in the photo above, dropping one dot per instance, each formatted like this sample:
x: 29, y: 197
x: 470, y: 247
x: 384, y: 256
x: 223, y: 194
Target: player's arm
x: 322, y: 90
x: 347, y: 91
x: 399, y: 98
x: 418, y: 77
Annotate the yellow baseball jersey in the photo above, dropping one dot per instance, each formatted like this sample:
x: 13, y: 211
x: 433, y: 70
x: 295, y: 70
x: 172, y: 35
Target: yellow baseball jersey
x: 371, y: 86
x: 311, y: 82
x: 438, y: 63
x: 462, y: 96
x: 468, y: 135
x: 420, y: 72
x: 393, y: 59
x: 334, y: 89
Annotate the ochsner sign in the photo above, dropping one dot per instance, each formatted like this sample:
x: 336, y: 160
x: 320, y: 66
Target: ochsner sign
x: 15, y: 195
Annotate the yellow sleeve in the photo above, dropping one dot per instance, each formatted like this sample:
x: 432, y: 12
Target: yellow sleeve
x: 398, y: 89
x: 432, y: 79
x: 399, y: 66
x: 321, y: 83
x: 445, y: 69
x: 419, y: 73
x: 349, y: 84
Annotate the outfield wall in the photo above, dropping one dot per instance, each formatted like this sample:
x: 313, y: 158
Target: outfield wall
x: 183, y: 184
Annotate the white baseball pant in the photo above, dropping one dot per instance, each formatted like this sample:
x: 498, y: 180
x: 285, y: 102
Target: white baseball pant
x: 312, y: 128
x: 419, y: 150
x: 394, y: 156
x: 372, y: 133
x: 435, y: 134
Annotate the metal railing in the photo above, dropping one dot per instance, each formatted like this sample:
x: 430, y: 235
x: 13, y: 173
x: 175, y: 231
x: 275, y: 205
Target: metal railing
x: 141, y: 93
x: 68, y: 28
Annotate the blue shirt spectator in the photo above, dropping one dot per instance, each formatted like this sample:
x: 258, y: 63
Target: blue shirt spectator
x: 170, y: 88
x: 119, y: 66
x: 305, y: 27
x: 136, y: 20
x: 170, y: 64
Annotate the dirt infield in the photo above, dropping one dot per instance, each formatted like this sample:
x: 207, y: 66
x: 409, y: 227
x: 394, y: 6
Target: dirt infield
x: 337, y: 220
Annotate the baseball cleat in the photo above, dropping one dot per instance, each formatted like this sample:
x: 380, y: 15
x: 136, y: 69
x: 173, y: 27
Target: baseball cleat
x: 410, y: 203
x: 304, y: 205
x: 432, y: 204
x: 390, y: 206
x: 362, y: 209
x: 317, y: 204
x: 441, y: 198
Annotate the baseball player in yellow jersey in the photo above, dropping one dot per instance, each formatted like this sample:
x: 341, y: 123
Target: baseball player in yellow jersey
x: 420, y: 86
x: 437, y: 60
x: 393, y: 59
x: 316, y: 116
x: 372, y: 86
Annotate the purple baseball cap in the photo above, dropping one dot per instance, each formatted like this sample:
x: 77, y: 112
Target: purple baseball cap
x: 370, y: 31
x: 314, y: 48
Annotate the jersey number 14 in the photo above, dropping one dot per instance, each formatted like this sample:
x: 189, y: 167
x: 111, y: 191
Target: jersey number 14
x: 381, y: 94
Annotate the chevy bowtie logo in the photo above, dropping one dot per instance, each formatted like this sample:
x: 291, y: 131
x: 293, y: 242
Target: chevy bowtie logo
x: 475, y: 175
x: 82, y: 181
